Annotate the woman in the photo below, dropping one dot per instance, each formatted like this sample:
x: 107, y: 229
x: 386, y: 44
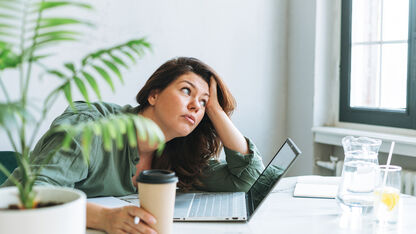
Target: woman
x: 191, y: 105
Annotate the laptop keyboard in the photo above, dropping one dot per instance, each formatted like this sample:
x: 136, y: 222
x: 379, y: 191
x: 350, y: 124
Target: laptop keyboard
x: 217, y: 205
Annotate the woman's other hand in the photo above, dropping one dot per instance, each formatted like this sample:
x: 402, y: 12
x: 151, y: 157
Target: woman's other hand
x: 119, y: 220
x: 122, y: 220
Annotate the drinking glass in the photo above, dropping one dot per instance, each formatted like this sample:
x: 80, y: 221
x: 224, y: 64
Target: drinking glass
x: 387, y: 197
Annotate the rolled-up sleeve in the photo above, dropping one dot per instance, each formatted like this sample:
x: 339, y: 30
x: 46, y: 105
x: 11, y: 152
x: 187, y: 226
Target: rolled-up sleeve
x: 237, y: 173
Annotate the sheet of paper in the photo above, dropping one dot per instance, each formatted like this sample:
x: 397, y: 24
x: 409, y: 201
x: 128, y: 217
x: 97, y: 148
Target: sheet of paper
x: 132, y: 198
x: 110, y: 202
x: 315, y: 179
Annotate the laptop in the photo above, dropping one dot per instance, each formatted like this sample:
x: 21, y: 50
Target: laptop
x: 236, y: 206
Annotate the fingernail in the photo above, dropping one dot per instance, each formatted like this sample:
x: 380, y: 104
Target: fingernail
x: 136, y: 220
x: 152, y: 220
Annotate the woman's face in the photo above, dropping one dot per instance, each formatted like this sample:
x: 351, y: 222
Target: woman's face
x: 180, y: 107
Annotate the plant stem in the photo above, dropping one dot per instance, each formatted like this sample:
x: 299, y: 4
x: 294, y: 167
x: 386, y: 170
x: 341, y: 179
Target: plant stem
x: 47, y: 159
x: 27, y: 198
x: 21, y: 76
x: 31, y: 52
x: 8, y: 175
x: 27, y: 195
x: 9, y: 135
x: 22, y: 48
x: 45, y: 111
x: 3, y: 87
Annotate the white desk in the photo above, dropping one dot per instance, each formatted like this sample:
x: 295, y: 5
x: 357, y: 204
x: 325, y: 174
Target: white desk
x: 282, y: 213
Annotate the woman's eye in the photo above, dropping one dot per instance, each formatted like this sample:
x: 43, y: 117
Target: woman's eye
x: 203, y: 103
x: 187, y: 91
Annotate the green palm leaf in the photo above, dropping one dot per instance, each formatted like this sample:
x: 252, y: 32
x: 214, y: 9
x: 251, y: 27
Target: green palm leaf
x: 8, y: 59
x: 4, y: 26
x: 57, y: 34
x: 114, y: 68
x: 12, y: 112
x: 55, y: 4
x: 105, y: 75
x: 82, y: 88
x: 66, y: 88
x: 88, y: 61
x: 28, y: 26
x: 138, y: 46
x: 57, y: 73
x: 56, y: 21
x: 91, y: 80
x: 129, y: 55
x: 119, y: 133
x: 10, y: 5
x: 24, y: 27
x: 8, y: 16
x: 107, y: 143
x: 118, y: 60
x: 38, y: 57
x: 53, y: 39
x: 111, y: 129
x: 86, y: 143
x: 131, y: 135
x: 8, y: 34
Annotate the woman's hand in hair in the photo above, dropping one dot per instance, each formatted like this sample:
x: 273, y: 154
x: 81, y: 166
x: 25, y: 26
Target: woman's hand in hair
x: 213, y: 106
x: 229, y: 135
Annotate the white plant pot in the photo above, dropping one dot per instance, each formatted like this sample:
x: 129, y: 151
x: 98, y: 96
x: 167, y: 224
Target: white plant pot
x: 69, y: 217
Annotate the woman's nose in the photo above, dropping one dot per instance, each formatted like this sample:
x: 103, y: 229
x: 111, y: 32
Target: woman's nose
x: 194, y: 105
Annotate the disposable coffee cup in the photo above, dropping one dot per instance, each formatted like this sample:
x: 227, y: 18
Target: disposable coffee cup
x: 157, y: 190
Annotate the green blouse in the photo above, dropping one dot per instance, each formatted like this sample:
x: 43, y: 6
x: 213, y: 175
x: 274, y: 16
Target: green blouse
x: 110, y: 173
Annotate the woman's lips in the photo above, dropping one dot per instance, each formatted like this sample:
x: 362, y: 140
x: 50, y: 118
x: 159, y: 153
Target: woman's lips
x: 190, y: 119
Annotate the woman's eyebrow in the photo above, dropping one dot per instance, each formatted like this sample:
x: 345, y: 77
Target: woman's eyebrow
x: 193, y: 86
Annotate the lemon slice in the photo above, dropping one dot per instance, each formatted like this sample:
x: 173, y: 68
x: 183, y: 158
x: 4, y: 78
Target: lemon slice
x: 390, y: 199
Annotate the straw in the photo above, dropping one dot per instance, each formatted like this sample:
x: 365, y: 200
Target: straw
x: 388, y: 163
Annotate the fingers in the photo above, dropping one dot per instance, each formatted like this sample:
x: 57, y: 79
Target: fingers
x: 213, y: 106
x: 131, y: 227
x: 128, y: 228
x: 121, y: 220
x: 213, y: 87
x: 137, y: 213
x: 145, y: 216
x: 133, y: 180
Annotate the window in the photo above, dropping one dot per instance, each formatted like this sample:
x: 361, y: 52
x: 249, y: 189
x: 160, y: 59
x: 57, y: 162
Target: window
x: 378, y: 62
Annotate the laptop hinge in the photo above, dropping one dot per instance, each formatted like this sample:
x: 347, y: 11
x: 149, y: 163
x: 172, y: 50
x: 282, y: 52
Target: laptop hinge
x: 249, y: 204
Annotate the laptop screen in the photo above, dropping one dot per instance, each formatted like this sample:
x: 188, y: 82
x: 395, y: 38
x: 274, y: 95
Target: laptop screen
x: 273, y: 172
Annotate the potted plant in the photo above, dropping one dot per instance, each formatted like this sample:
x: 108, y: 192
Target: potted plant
x: 28, y: 29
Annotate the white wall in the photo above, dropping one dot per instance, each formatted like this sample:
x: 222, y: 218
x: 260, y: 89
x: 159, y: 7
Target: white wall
x: 301, y: 62
x: 244, y: 40
x: 327, y: 60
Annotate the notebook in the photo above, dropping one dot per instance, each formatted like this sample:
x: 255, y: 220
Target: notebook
x: 316, y: 186
x: 236, y: 206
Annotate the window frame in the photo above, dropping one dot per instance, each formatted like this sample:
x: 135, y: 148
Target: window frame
x: 376, y: 116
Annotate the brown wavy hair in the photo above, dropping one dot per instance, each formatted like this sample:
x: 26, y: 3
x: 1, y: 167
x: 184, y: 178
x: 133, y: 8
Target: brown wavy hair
x: 188, y: 155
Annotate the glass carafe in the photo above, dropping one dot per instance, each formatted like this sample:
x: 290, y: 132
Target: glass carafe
x: 359, y: 174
